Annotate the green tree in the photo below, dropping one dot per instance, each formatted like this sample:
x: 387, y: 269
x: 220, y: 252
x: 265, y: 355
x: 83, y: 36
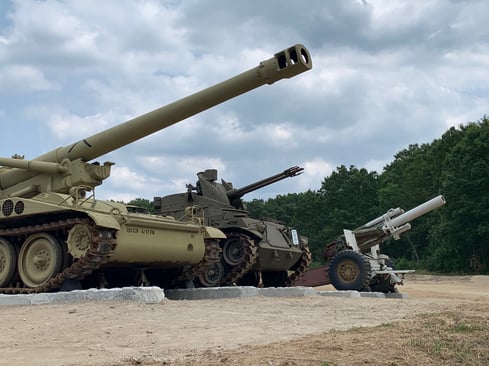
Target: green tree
x: 411, y: 179
x: 461, y: 238
x: 350, y: 198
x: 143, y: 203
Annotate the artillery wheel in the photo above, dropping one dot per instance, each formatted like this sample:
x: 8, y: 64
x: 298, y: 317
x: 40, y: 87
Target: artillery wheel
x: 232, y: 251
x: 274, y: 279
x: 213, y: 276
x: 40, y: 259
x: 7, y: 262
x: 349, y: 270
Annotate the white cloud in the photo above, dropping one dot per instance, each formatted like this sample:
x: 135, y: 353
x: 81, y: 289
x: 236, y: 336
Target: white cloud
x: 314, y: 173
x: 24, y: 79
x: 69, y: 127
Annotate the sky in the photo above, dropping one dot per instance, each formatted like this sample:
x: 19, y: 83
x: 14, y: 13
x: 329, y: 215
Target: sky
x: 386, y: 74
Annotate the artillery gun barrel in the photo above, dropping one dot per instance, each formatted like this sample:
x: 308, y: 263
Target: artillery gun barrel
x: 393, y: 224
x: 417, y: 211
x: 291, y: 172
x: 285, y: 64
x: 391, y: 213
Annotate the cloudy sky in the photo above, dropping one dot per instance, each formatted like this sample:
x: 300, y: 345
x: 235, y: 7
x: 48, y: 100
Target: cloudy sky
x: 385, y: 74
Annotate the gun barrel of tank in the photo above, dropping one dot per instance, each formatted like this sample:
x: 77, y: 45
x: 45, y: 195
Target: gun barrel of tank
x: 285, y: 64
x: 417, y: 211
x: 291, y: 172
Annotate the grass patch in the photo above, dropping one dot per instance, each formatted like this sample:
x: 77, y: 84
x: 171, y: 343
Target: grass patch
x: 451, y: 339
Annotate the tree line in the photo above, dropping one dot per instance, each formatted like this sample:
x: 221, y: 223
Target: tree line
x: 450, y: 239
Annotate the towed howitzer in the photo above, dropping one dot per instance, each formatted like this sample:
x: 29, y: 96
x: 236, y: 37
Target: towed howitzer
x: 252, y: 247
x: 355, y: 261
x: 50, y: 231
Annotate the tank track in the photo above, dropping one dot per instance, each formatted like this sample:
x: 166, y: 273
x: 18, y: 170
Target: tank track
x: 100, y: 249
x: 302, y: 267
x: 211, y: 255
x: 249, y: 258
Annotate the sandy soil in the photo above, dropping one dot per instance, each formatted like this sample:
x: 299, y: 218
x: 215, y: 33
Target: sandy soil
x: 259, y: 331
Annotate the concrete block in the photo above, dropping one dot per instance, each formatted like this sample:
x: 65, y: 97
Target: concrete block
x: 148, y: 295
x: 339, y: 293
x: 397, y: 296
x: 206, y: 293
x: 379, y: 295
x: 299, y: 291
x: 15, y: 299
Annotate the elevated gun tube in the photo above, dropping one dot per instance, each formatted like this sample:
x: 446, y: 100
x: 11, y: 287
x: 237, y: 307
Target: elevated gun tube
x: 285, y: 64
x: 238, y: 193
x: 393, y: 226
x: 415, y: 212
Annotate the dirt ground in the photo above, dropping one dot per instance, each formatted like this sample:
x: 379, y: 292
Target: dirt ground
x: 445, y: 321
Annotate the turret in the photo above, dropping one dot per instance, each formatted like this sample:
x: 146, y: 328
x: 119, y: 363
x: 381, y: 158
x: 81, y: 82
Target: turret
x: 65, y: 168
x: 225, y: 192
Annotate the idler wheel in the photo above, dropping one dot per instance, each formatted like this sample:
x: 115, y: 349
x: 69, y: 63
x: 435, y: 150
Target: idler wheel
x: 40, y: 259
x: 232, y: 251
x: 7, y: 262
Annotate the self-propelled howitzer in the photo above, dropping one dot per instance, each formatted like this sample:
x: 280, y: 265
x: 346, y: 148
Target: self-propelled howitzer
x: 51, y: 231
x: 252, y: 246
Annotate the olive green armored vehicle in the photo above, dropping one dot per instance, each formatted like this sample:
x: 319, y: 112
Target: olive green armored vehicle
x: 54, y: 231
x: 251, y: 247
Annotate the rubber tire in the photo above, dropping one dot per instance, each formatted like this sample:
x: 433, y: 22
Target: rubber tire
x: 349, y: 262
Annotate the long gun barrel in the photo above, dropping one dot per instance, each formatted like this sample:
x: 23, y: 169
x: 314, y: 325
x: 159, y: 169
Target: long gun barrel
x: 392, y: 224
x: 238, y: 193
x: 285, y: 64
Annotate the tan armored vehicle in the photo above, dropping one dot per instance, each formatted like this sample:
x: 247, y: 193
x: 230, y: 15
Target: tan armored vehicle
x: 251, y: 247
x: 53, y: 229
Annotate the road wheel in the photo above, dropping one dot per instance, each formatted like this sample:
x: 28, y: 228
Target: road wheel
x: 349, y: 270
x: 40, y: 259
x: 232, y: 251
x: 213, y: 276
x: 7, y: 262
